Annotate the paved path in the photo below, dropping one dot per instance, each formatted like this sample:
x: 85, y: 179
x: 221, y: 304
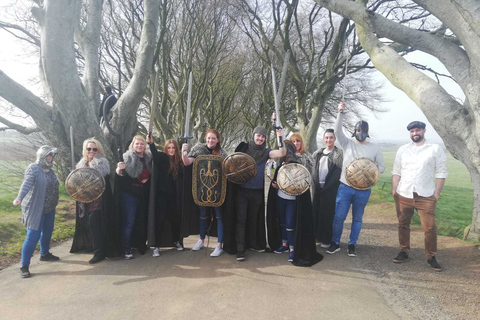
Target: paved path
x: 190, y: 285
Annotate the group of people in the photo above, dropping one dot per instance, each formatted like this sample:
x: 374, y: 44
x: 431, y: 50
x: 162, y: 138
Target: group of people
x: 152, y: 205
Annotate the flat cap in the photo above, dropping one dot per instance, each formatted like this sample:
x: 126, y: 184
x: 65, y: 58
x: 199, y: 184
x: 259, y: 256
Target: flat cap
x: 416, y: 124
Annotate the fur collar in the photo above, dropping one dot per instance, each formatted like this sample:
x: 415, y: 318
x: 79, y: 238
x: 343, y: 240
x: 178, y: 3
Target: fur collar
x: 133, y: 164
x: 99, y: 163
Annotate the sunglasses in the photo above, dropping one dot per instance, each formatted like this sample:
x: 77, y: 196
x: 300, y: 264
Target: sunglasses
x: 94, y: 149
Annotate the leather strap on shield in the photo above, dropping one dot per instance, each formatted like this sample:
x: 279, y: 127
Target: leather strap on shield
x: 294, y: 179
x: 209, y: 185
x: 85, y: 185
x: 239, y: 168
x: 362, y: 174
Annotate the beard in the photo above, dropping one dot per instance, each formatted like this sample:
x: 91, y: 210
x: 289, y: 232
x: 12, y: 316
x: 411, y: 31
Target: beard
x: 417, y: 138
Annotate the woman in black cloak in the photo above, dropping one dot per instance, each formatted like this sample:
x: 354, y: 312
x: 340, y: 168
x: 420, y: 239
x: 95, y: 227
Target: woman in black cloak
x: 165, y: 204
x: 96, y: 224
x: 289, y: 221
x: 132, y: 189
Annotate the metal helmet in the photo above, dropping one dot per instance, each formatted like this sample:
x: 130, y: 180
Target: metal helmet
x: 42, y: 154
x: 361, y: 136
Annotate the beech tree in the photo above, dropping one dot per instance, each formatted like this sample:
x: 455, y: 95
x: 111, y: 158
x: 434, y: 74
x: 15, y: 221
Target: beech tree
x: 447, y: 30
x: 67, y: 29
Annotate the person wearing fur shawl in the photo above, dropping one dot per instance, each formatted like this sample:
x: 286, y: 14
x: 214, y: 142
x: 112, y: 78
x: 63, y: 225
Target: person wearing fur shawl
x: 96, y: 224
x: 132, y: 189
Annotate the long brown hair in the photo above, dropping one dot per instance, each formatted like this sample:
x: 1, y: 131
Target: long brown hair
x: 175, y: 160
x: 297, y: 137
x: 216, y: 150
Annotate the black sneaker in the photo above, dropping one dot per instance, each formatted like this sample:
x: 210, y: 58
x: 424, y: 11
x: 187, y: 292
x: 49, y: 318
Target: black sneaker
x: 49, y: 257
x: 240, y: 255
x: 434, y: 264
x: 333, y: 248
x: 401, y: 257
x: 24, y: 272
x: 352, y: 252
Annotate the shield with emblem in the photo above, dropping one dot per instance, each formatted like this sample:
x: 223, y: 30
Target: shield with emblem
x: 362, y: 173
x: 85, y: 185
x: 239, y: 168
x: 209, y: 185
x: 294, y: 179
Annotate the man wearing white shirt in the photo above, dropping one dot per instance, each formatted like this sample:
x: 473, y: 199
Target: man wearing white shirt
x: 416, y: 166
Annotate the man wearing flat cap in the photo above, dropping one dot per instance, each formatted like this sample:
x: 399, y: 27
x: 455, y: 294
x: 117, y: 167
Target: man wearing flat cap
x: 417, y: 165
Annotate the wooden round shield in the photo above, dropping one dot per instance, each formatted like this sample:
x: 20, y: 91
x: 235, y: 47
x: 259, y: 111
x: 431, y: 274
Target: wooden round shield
x: 85, y: 184
x: 294, y: 179
x: 239, y: 168
x: 362, y: 174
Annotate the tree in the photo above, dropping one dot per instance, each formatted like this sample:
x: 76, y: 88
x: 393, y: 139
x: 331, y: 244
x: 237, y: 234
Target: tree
x: 67, y: 30
x: 320, y: 47
x: 447, y: 30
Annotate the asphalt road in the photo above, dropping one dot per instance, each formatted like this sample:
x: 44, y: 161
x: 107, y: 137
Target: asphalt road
x: 192, y: 285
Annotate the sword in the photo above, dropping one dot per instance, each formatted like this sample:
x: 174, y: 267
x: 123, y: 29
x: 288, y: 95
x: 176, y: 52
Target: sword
x: 187, y: 114
x: 278, y: 97
x: 72, y: 150
x: 153, y: 104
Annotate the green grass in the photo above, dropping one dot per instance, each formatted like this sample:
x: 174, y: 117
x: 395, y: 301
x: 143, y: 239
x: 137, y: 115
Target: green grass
x: 455, y: 206
x: 12, y: 230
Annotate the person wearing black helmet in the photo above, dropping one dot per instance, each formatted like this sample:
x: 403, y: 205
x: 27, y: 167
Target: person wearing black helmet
x: 417, y: 165
x: 357, y: 147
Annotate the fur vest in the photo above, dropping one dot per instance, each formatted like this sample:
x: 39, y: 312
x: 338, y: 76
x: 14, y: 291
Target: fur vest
x: 133, y: 164
x: 98, y: 162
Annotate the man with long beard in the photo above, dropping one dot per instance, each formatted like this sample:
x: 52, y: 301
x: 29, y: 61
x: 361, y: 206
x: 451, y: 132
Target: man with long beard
x: 415, y: 167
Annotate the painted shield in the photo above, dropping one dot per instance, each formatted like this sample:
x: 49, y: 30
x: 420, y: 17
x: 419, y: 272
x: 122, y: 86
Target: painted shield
x: 239, y: 168
x: 362, y: 174
x: 85, y: 185
x: 209, y: 185
x: 293, y: 179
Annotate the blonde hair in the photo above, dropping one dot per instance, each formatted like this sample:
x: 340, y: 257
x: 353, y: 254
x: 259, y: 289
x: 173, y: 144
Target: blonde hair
x: 97, y: 144
x: 297, y: 137
x: 137, y: 137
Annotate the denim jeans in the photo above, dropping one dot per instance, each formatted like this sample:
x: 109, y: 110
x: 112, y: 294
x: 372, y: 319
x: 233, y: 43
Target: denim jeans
x: 286, y: 213
x: 347, y: 196
x: 44, y: 234
x: 204, y: 223
x: 129, y: 203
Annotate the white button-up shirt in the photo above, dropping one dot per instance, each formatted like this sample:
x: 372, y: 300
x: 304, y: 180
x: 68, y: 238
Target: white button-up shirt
x: 418, y: 166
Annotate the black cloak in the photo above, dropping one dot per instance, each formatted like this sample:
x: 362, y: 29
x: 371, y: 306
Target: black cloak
x: 82, y: 239
x: 164, y: 212
x: 305, y: 252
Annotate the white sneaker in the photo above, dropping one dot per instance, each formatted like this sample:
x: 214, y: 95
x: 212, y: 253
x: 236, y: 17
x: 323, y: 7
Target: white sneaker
x: 199, y: 245
x: 217, y: 252
x: 128, y: 256
x: 324, y: 245
x: 156, y: 252
x: 178, y: 246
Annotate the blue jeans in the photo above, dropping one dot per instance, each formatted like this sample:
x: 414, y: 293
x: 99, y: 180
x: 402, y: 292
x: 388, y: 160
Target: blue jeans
x: 347, y: 196
x: 204, y: 223
x: 44, y: 234
x: 286, y: 213
x: 129, y: 203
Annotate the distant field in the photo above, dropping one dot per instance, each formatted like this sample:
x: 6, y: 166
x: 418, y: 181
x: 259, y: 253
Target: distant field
x: 454, y: 208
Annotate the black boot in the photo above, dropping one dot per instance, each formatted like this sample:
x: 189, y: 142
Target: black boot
x: 24, y: 272
x: 97, y: 257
